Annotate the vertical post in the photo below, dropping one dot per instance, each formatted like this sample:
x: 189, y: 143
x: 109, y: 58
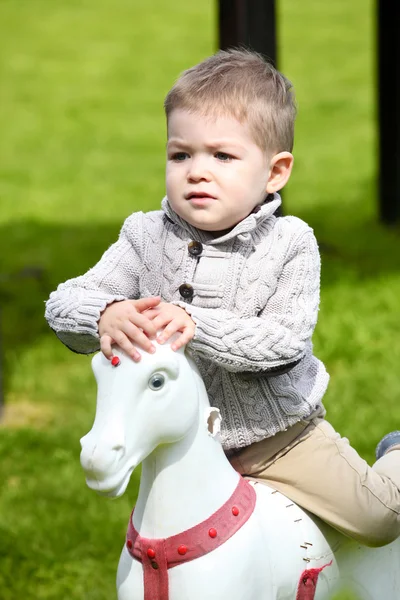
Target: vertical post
x: 389, y: 110
x: 250, y: 23
x: 1, y: 368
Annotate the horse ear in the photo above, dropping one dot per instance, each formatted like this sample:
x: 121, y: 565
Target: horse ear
x: 214, y: 420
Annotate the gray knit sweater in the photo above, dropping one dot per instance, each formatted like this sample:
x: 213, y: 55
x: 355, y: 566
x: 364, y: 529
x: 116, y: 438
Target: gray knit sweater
x: 253, y: 294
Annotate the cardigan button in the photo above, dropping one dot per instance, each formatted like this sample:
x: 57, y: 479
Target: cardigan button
x: 154, y: 564
x: 195, y: 248
x: 186, y: 291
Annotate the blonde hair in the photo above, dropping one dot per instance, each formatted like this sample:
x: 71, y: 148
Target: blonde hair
x: 241, y: 84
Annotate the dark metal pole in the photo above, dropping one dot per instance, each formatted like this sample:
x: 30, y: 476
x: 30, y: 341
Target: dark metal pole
x: 389, y: 109
x: 249, y: 23
x: 1, y: 368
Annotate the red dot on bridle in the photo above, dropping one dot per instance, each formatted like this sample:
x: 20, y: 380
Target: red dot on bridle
x: 115, y: 361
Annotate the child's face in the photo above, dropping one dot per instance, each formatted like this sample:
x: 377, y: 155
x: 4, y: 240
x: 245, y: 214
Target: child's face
x: 216, y: 173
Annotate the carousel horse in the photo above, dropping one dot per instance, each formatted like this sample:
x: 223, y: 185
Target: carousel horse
x: 199, y: 531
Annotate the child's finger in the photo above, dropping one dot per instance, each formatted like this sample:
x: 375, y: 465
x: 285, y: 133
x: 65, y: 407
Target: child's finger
x: 143, y: 322
x: 145, y: 303
x: 183, y: 339
x: 151, y: 313
x: 138, y: 337
x: 168, y: 331
x: 160, y: 322
x: 105, y: 346
x: 126, y: 345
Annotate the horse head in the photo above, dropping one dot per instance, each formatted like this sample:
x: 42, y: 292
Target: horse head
x: 139, y: 406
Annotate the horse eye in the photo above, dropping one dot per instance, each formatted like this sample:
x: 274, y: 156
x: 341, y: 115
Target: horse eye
x: 156, y: 381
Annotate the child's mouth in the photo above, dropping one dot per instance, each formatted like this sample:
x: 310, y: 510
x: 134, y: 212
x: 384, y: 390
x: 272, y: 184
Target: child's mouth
x: 199, y: 198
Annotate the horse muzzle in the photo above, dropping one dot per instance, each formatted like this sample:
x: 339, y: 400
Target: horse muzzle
x: 101, y: 460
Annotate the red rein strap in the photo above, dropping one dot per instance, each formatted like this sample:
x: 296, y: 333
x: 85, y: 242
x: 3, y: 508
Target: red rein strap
x: 159, y: 555
x: 308, y: 583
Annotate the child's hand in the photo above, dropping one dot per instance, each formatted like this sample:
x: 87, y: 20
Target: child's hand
x: 172, y: 319
x: 122, y: 323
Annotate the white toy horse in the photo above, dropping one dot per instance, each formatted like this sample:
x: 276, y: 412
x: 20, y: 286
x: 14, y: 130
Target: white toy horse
x: 199, y: 531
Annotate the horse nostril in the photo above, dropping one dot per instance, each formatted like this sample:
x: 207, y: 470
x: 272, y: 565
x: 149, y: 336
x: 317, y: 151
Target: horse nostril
x: 119, y: 449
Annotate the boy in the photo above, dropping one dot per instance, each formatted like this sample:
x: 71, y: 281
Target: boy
x: 240, y: 287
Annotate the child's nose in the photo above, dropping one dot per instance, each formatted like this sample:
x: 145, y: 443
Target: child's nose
x: 198, y: 170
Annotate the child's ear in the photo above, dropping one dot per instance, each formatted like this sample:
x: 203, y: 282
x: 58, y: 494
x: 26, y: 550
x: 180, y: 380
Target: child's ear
x: 279, y: 171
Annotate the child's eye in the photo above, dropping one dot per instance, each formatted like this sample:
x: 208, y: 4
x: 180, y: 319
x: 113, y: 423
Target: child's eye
x: 179, y: 156
x: 223, y: 156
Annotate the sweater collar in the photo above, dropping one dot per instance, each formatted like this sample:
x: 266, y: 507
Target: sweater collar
x: 243, y: 230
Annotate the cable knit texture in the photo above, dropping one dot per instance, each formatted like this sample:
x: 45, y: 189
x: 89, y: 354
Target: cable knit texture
x: 255, y: 304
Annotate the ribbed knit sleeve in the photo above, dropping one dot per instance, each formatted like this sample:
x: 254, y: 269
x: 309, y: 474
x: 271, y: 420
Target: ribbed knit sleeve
x: 74, y: 309
x: 278, y: 336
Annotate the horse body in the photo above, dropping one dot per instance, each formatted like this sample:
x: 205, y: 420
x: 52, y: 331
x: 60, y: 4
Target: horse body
x: 157, y: 413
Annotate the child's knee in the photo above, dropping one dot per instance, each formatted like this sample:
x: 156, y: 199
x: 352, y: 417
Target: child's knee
x: 379, y: 530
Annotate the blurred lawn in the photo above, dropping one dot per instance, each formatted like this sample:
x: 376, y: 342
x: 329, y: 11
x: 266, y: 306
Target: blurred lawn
x: 82, y: 146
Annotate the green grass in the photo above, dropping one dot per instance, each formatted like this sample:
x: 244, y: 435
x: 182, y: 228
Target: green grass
x: 81, y: 146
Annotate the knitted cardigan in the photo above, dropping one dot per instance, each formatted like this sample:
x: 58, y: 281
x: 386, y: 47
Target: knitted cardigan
x: 255, y: 303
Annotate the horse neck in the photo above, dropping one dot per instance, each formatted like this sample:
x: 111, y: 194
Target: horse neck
x: 183, y: 483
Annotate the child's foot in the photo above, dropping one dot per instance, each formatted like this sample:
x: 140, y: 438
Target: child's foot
x: 391, y: 441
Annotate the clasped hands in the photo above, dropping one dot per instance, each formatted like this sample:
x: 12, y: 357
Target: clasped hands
x: 138, y: 321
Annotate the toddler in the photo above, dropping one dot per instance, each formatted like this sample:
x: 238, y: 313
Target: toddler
x: 240, y: 286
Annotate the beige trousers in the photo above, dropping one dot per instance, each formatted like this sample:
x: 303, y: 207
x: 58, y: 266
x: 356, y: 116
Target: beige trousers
x: 318, y: 469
